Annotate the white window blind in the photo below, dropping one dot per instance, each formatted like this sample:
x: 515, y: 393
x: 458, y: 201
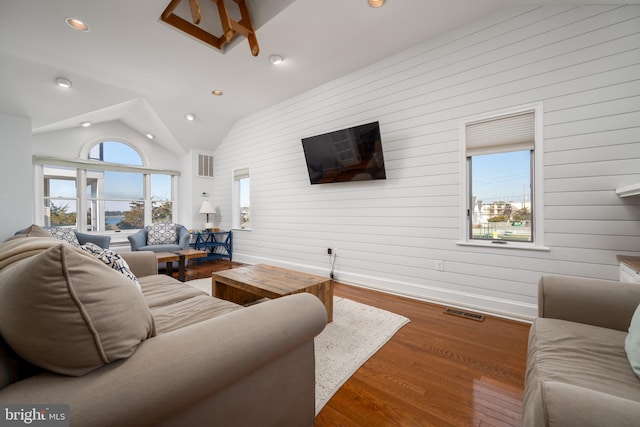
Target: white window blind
x: 240, y: 173
x: 501, y: 134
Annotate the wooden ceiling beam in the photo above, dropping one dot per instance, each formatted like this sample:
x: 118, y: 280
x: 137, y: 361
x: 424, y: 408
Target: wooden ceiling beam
x: 194, y: 31
x: 230, y: 27
x: 196, y: 15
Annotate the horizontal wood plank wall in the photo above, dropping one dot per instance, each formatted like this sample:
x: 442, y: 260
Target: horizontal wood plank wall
x: 582, y: 63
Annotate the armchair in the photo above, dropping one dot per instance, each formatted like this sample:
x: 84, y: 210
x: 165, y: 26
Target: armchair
x: 102, y: 241
x: 164, y: 239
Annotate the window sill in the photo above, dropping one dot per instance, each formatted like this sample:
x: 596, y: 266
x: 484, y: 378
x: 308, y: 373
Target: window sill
x: 506, y: 245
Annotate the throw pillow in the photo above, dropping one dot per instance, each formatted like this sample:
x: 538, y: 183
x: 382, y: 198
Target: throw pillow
x: 65, y: 311
x: 112, y: 259
x: 31, y: 231
x: 632, y: 342
x: 162, y: 234
x: 66, y: 234
x: 18, y: 248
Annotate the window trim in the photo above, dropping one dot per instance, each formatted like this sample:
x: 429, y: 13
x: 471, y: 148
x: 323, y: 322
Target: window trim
x: 81, y: 167
x: 537, y: 180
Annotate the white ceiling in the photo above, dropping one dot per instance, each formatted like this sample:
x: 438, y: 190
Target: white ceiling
x: 135, y: 68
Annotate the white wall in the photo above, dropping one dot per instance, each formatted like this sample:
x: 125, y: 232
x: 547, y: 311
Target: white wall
x: 192, y: 191
x: 582, y: 63
x: 67, y: 143
x: 16, y: 175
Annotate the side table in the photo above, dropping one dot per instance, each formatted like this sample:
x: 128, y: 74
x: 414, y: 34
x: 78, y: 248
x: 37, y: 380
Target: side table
x: 217, y: 244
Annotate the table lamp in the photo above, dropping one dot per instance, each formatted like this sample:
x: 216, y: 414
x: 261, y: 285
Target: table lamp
x: 207, y: 208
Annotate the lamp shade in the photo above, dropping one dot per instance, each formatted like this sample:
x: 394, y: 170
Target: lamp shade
x: 207, y: 207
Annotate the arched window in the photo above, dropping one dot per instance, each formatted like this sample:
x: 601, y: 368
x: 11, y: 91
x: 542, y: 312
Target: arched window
x: 112, y: 186
x: 115, y: 152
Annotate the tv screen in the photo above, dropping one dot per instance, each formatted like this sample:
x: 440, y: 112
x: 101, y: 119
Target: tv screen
x: 353, y: 154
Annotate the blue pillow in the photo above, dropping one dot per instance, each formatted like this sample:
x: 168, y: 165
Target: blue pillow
x: 632, y: 342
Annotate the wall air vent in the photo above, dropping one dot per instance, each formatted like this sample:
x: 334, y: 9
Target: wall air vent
x: 465, y: 314
x: 205, y: 166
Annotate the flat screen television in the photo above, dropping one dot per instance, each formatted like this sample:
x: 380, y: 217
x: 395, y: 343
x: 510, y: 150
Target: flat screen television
x: 353, y: 154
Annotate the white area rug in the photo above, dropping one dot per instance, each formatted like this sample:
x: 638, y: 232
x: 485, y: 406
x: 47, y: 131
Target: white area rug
x: 357, y: 332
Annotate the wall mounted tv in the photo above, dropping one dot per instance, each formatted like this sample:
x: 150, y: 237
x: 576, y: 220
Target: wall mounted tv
x: 353, y: 154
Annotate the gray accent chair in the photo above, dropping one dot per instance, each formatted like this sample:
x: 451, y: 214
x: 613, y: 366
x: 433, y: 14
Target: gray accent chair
x: 138, y: 241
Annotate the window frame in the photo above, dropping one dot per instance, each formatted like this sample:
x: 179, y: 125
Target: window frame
x: 537, y: 181
x: 81, y: 167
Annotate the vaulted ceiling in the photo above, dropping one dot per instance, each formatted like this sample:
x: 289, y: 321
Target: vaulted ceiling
x: 131, y: 66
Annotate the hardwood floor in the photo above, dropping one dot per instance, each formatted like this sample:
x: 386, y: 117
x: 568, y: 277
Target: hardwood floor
x: 438, y: 370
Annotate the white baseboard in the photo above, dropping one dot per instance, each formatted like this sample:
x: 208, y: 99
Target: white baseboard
x: 507, y: 309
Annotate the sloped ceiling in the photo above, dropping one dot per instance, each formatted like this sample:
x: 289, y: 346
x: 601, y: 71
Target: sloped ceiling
x: 133, y: 67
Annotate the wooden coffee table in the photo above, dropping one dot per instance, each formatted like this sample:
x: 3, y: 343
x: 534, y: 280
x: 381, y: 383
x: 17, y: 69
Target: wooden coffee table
x: 248, y: 284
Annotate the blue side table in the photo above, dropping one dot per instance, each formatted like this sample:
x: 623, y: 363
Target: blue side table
x: 218, y: 244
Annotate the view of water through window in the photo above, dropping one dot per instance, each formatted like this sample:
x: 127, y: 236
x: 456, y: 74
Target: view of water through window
x: 114, y: 200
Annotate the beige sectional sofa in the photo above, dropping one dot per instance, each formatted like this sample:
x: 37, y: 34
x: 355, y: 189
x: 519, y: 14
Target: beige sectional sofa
x: 578, y: 367
x: 158, y: 352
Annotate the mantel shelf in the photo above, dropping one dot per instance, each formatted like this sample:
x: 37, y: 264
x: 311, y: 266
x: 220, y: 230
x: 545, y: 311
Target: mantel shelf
x: 629, y: 190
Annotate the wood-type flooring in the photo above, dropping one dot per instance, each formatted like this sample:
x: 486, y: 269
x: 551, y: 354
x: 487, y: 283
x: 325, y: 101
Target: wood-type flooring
x: 438, y: 370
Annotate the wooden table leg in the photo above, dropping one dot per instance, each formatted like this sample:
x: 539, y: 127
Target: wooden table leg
x: 169, y: 268
x: 182, y: 268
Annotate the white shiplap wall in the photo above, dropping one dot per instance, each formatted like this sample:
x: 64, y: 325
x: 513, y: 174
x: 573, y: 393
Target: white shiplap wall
x: 582, y: 63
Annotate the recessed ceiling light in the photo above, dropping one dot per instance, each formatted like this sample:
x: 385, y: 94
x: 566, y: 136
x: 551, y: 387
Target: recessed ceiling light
x: 150, y: 135
x: 275, y: 59
x: 77, y: 24
x: 376, y: 3
x: 190, y: 116
x: 63, y: 82
x: 217, y: 92
x: 85, y: 124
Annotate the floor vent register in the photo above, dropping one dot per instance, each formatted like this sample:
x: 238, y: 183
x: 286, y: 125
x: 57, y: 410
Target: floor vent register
x: 466, y: 314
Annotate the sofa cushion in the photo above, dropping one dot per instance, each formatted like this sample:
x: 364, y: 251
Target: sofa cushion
x: 160, y: 290
x: 578, y: 354
x: 632, y: 342
x: 112, y: 259
x: 190, y: 311
x: 162, y: 234
x: 66, y: 234
x: 65, y: 311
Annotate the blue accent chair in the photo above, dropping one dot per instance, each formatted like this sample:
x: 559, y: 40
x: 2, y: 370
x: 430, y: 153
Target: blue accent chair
x: 102, y: 241
x: 138, y: 241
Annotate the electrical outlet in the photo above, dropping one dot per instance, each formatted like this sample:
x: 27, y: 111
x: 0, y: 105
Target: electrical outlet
x: 329, y: 251
x: 439, y: 265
